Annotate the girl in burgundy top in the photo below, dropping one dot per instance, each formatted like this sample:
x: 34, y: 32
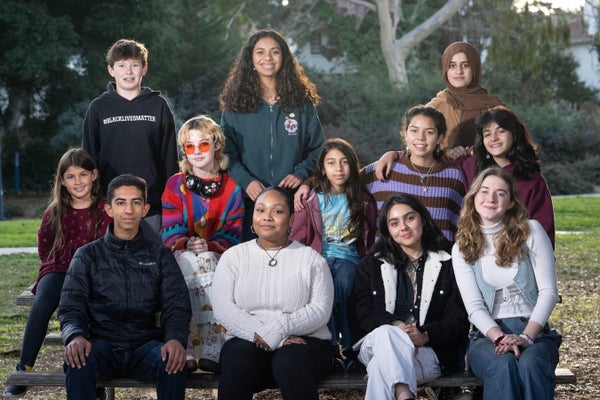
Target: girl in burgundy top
x: 74, y: 217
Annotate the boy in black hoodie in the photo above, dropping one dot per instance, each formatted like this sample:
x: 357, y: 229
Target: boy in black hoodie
x: 130, y: 129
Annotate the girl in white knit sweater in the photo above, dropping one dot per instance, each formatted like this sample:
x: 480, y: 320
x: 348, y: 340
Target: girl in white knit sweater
x: 274, y: 297
x: 504, y: 267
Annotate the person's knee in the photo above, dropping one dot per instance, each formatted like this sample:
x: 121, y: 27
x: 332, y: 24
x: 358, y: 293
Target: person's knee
x: 505, y: 365
x: 84, y: 373
x: 530, y: 364
x: 288, y: 356
x: 238, y: 356
x: 384, y: 333
x: 176, y: 378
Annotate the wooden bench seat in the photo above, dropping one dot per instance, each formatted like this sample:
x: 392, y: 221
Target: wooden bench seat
x: 53, y: 339
x: 25, y: 298
x: 201, y: 380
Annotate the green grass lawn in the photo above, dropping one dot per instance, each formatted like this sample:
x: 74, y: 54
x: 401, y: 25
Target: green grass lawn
x: 19, y: 232
x: 577, y: 213
x: 18, y: 272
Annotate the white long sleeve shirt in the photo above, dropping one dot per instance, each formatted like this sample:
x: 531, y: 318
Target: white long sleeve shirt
x: 510, y: 302
x: 294, y: 297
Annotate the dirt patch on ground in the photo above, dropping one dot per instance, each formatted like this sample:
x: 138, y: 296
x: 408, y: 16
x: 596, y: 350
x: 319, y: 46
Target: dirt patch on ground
x: 25, y: 204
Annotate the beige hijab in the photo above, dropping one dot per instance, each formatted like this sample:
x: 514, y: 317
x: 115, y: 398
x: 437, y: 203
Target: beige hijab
x: 472, y: 97
x: 461, y: 106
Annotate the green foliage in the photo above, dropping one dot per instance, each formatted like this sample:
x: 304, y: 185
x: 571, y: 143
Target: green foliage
x: 365, y: 110
x: 557, y: 82
x: 561, y: 78
x: 560, y: 129
x: 184, y: 38
x: 34, y: 45
x: 346, y: 112
x: 577, y: 177
x: 524, y: 38
x: 70, y: 124
x: 188, y: 47
x: 526, y: 61
x: 568, y: 144
x: 13, y: 210
x: 37, y: 157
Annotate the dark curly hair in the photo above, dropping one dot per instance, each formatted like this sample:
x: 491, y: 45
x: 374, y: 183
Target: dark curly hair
x: 242, y: 92
x: 523, y: 152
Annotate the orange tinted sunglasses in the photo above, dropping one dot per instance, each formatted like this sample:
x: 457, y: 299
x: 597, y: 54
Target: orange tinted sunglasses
x: 190, y: 148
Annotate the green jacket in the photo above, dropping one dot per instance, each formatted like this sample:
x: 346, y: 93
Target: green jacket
x: 269, y: 144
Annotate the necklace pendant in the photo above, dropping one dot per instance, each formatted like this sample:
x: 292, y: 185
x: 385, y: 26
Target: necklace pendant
x: 273, y: 262
x: 424, y: 189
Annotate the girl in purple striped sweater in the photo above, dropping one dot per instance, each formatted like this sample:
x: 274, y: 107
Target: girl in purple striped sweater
x: 424, y: 173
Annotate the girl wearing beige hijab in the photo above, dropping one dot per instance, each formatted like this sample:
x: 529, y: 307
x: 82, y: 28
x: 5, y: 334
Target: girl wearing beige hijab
x: 461, y: 102
x: 464, y: 99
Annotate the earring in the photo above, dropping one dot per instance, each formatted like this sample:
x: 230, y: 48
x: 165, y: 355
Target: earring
x: 289, y: 231
x: 407, y: 150
x: 487, y: 156
x: 252, y: 229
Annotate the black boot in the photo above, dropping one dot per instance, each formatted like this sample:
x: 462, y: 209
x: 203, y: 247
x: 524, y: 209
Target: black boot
x: 17, y: 390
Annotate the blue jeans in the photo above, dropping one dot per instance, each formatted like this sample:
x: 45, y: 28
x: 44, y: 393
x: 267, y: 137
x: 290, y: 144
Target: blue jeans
x: 505, y: 377
x: 45, y: 302
x: 342, y: 272
x: 294, y: 368
x: 143, y: 363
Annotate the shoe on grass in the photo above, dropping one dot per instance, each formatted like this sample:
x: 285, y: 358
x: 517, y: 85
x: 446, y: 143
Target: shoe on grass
x: 17, y: 390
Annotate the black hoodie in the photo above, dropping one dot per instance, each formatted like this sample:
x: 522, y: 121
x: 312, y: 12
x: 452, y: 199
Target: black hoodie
x: 132, y: 136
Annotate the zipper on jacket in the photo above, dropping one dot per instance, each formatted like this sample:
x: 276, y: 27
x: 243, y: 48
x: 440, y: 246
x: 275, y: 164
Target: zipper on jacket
x: 126, y: 258
x: 271, y: 152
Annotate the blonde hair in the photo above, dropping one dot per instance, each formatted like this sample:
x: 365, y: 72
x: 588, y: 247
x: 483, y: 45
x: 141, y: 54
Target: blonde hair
x: 208, y: 128
x: 509, y: 240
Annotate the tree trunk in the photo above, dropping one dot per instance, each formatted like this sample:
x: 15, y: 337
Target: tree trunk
x: 395, y: 51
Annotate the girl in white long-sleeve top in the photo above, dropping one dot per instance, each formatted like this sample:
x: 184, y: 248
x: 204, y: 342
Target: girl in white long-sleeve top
x: 504, y: 266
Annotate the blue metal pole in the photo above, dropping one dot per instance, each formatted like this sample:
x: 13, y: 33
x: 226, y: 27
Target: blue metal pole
x: 17, y: 173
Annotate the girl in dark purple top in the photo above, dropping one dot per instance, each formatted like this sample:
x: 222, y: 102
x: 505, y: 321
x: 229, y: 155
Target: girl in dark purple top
x: 503, y: 139
x: 74, y: 217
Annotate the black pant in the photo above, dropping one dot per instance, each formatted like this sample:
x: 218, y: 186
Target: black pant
x: 295, y: 369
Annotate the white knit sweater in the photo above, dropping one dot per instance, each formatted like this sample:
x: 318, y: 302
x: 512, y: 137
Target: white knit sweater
x: 295, y: 297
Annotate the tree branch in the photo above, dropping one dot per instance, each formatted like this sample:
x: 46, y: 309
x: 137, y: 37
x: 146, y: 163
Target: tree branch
x: 366, y: 4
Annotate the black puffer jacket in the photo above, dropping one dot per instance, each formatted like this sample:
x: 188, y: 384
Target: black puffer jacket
x: 114, y: 289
